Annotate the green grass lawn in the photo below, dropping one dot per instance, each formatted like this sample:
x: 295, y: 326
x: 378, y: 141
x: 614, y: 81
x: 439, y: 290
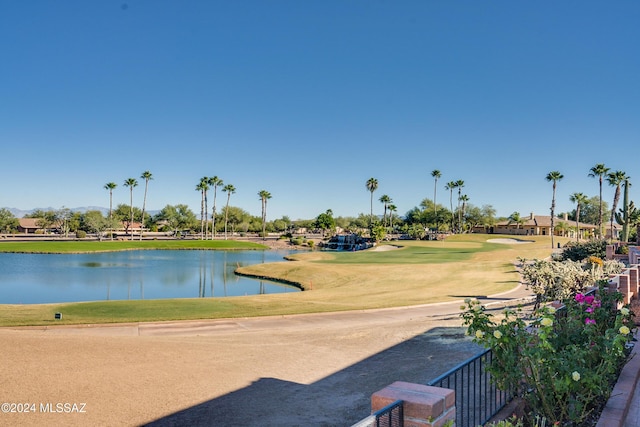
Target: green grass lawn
x: 417, y: 273
x: 411, y: 252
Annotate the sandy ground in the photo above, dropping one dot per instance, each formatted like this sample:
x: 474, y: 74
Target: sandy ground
x: 306, y: 370
x: 509, y: 241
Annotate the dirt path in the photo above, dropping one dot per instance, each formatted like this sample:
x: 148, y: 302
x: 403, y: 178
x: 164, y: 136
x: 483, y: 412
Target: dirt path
x: 307, y: 370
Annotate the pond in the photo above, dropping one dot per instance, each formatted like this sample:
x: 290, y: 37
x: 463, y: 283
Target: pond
x: 156, y: 274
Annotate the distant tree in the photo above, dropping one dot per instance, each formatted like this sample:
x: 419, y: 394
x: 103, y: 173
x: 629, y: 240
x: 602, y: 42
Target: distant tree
x: 615, y: 179
x: 176, y: 218
x: 464, y: 199
x: 554, y: 177
x: 563, y: 228
x: 417, y: 215
x: 451, y: 185
x: 589, y: 211
x: 579, y: 199
x: 378, y: 232
x: 110, y: 186
x: 599, y: 170
x: 459, y: 186
x: 474, y: 217
x: 282, y: 224
x: 229, y: 189
x: 8, y: 222
x: 436, y: 175
x: 392, y: 208
x: 415, y: 231
x: 126, y: 216
x: 235, y: 217
x: 147, y: 176
x: 488, y: 216
x: 94, y: 222
x: 131, y: 183
x: 372, y: 185
x: 325, y: 222
x: 361, y: 222
x: 385, y: 200
x: 202, y: 187
x: 62, y: 219
x: 264, y: 196
x: 517, y: 219
x: 214, y: 182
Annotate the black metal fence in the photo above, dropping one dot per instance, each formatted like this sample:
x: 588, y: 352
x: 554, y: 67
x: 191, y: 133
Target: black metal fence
x: 477, y: 398
x: 390, y: 416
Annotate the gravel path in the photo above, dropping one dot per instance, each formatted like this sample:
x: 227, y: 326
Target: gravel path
x: 305, y: 370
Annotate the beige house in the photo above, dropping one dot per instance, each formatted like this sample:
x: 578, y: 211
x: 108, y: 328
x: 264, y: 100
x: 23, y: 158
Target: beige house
x: 540, y: 225
x: 28, y: 225
x: 32, y: 226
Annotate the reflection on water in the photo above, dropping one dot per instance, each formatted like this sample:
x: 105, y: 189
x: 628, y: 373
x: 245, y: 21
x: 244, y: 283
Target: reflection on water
x: 41, y: 278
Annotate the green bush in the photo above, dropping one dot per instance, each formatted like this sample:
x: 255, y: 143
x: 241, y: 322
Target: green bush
x: 579, y: 251
x: 81, y: 234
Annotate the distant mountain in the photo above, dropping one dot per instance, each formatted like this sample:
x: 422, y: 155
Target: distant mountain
x: 20, y: 213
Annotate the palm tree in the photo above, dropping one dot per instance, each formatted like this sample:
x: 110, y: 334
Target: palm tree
x: 214, y: 182
x: 464, y: 198
x: 459, y: 185
x: 385, y: 200
x: 131, y: 183
x: 562, y: 227
x: 202, y: 187
x: 599, y: 170
x: 392, y: 208
x: 435, y: 174
x: 372, y: 185
x: 229, y: 189
x: 517, y: 218
x: 579, y: 199
x: 615, y: 179
x: 147, y: 176
x: 554, y: 177
x: 264, y: 196
x: 450, y: 186
x: 110, y: 186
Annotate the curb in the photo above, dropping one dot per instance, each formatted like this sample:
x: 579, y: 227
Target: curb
x: 617, y: 408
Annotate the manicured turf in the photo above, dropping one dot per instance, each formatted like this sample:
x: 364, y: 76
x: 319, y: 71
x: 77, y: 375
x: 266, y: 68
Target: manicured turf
x: 411, y: 253
x: 419, y: 273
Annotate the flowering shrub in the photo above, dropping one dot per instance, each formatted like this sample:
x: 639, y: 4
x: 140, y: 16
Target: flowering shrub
x: 562, y: 363
x: 555, y: 280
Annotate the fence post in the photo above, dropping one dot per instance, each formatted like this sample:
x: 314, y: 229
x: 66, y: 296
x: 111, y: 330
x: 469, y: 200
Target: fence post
x: 424, y: 406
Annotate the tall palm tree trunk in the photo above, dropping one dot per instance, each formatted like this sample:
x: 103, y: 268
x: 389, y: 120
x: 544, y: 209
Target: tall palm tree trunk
x: 213, y: 215
x: 131, y: 210
x: 226, y: 215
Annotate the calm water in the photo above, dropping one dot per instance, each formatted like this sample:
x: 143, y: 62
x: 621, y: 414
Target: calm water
x: 38, y: 278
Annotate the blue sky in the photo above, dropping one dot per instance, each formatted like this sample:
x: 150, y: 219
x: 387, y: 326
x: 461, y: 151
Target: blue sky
x: 309, y: 99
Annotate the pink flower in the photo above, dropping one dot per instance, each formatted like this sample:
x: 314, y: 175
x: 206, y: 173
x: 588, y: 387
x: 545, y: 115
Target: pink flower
x: 596, y: 304
x: 589, y: 321
x: 579, y: 298
x: 589, y: 299
x: 589, y: 310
